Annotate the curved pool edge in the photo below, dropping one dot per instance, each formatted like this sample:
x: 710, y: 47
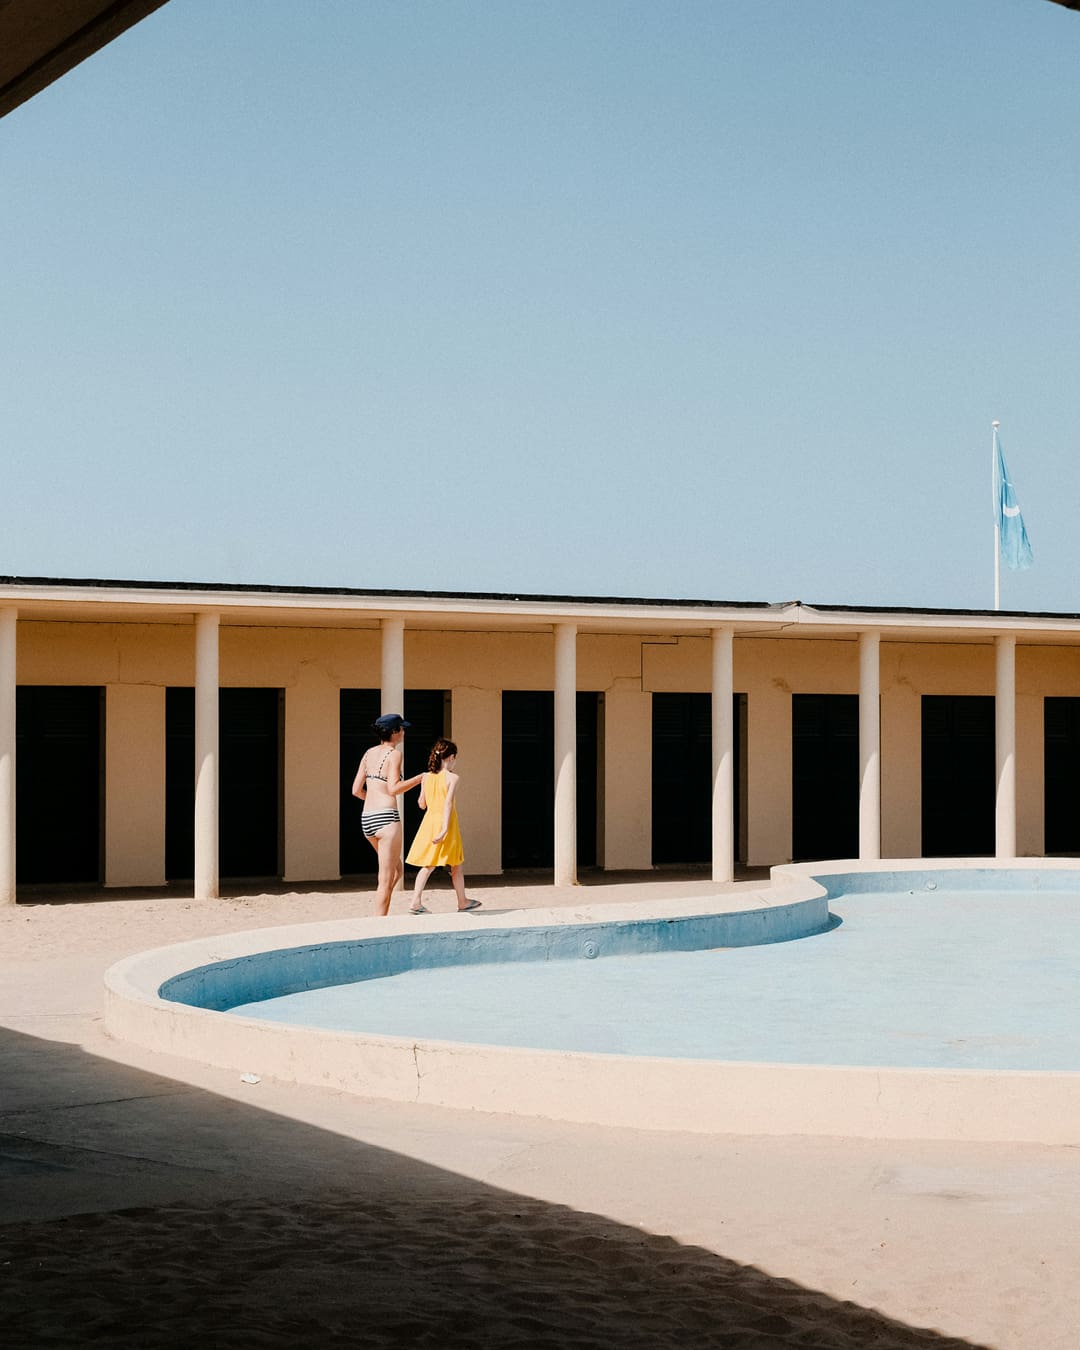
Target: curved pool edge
x: 138, y: 978
x: 613, y: 1090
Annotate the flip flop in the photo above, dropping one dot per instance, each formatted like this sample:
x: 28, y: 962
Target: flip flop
x: 473, y: 904
x: 420, y: 909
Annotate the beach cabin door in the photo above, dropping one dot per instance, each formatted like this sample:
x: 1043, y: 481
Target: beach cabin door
x: 59, y: 735
x: 958, y: 774
x: 1061, y: 766
x: 824, y: 776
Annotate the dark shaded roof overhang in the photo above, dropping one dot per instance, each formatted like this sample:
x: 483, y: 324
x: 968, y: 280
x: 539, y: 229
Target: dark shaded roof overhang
x: 40, y: 40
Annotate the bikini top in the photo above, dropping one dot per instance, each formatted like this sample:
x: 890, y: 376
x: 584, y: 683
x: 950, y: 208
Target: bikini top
x: 380, y: 775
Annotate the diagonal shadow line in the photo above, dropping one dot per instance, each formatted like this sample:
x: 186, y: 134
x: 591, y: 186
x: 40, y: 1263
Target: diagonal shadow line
x: 258, y: 1230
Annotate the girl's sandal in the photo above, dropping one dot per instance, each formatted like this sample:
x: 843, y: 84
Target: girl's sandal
x: 419, y: 909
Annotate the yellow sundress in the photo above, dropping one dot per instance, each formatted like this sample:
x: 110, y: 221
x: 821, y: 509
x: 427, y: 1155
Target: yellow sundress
x: 449, y: 851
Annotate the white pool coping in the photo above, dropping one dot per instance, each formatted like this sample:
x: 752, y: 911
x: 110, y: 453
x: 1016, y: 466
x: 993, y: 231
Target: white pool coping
x: 703, y: 1096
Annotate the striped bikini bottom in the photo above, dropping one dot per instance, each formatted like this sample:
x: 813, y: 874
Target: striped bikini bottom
x: 373, y: 821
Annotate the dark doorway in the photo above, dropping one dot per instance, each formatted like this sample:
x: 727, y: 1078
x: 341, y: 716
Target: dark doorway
x: 824, y: 776
x: 1061, y: 770
x: 957, y: 775
x: 528, y: 777
x: 429, y: 712
x: 682, y: 777
x: 58, y: 744
x: 249, y: 783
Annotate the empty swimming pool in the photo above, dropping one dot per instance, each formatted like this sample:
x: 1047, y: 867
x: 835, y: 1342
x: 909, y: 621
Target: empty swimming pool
x: 840, y: 999
x: 977, y: 979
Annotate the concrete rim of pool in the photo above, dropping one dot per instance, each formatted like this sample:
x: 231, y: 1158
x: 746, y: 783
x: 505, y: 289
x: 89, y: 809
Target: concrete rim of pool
x: 144, y: 1004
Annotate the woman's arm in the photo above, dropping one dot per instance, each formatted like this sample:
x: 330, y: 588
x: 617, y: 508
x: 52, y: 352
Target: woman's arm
x: 395, y: 784
x: 358, y: 788
x: 451, y: 792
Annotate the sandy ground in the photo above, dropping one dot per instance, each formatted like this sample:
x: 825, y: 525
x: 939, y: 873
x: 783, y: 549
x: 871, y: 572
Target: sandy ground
x: 150, y: 1202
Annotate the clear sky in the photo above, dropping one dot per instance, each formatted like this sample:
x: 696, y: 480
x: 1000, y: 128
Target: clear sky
x: 708, y: 298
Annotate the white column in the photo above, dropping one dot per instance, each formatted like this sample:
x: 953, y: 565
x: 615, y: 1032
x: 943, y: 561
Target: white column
x: 723, y: 755
x: 392, y: 683
x: 869, y: 746
x: 207, y: 877
x: 565, y: 754
x: 1005, y: 743
x: 392, y: 693
x: 8, y: 622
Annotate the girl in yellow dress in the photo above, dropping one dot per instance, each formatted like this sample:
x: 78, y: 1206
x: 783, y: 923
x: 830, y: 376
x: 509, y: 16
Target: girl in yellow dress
x: 438, y: 840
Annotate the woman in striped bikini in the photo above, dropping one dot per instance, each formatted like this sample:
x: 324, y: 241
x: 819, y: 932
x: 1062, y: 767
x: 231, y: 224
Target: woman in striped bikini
x: 378, y: 783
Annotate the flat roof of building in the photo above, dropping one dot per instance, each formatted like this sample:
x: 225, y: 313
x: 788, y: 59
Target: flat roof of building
x: 108, y: 600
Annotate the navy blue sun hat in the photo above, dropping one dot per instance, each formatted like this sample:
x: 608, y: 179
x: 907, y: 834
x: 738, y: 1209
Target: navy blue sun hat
x: 391, y: 722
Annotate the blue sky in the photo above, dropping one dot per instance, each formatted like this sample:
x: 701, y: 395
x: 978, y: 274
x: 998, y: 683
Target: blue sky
x: 710, y: 299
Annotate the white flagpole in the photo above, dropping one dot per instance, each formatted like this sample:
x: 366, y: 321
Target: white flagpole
x: 995, y: 490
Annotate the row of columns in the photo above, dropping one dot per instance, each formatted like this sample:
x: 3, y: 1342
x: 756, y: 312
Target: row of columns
x: 723, y: 756
x: 207, y: 683
x: 723, y: 751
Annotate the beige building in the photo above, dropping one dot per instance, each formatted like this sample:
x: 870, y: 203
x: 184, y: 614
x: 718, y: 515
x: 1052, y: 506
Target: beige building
x: 153, y: 733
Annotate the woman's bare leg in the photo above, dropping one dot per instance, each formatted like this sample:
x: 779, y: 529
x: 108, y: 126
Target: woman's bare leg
x: 388, y: 846
x: 422, y: 878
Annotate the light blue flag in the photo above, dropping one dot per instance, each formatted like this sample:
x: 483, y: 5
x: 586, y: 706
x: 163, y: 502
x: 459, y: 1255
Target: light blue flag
x: 1015, y: 546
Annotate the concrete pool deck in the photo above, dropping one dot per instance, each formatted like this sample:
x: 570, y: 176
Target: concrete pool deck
x: 142, y: 1189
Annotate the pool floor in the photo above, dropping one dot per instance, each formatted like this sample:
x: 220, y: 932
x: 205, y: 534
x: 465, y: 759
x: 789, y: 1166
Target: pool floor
x: 972, y: 980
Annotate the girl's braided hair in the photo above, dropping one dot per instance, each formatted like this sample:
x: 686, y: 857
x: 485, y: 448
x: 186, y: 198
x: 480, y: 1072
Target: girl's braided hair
x: 442, y: 749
